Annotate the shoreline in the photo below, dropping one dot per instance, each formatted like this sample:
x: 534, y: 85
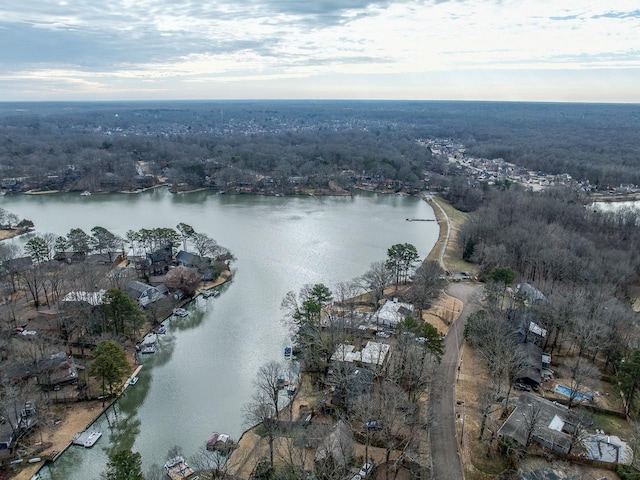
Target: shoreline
x: 12, y: 233
x: 29, y: 470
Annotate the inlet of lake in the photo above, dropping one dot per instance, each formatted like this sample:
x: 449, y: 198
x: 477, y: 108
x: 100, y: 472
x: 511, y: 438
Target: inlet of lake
x: 201, y: 375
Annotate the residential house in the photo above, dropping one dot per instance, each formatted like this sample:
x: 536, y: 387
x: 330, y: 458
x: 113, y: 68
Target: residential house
x: 56, y: 369
x: 81, y: 297
x: 392, y: 313
x: 106, y: 258
x: 142, y: 293
x: 190, y: 260
x: 70, y: 257
x: 373, y: 354
x: 160, y: 260
x: 7, y: 438
x: 530, y: 294
x: 536, y: 419
x: 17, y: 265
x: 531, y: 373
x: 336, y: 447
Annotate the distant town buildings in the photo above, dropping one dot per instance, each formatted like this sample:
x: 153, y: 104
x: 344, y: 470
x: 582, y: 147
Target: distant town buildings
x: 498, y: 170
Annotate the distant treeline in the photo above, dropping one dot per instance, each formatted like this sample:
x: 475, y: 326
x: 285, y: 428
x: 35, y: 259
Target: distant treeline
x: 270, y: 145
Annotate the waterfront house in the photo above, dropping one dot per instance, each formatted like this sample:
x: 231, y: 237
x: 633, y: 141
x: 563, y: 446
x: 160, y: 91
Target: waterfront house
x: 392, y: 313
x: 142, y: 293
x: 189, y: 260
x: 159, y: 260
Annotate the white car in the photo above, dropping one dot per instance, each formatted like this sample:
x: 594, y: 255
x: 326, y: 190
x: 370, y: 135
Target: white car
x: 366, y: 469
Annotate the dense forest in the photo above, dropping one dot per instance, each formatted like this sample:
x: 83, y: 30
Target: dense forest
x: 583, y: 260
x: 274, y: 147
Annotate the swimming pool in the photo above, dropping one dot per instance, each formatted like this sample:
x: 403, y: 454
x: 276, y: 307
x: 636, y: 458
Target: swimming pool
x: 566, y: 391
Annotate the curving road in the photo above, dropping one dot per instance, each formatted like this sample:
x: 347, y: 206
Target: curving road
x: 445, y: 460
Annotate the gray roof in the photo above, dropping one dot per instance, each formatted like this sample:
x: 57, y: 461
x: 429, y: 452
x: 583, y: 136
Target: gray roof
x: 531, y: 293
x: 136, y: 288
x: 554, y: 424
x: 532, y: 372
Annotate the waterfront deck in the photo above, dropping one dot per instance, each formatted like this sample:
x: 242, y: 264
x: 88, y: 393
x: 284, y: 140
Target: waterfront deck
x: 177, y: 469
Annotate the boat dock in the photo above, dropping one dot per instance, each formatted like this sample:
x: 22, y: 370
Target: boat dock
x: 86, y: 439
x: 177, y: 469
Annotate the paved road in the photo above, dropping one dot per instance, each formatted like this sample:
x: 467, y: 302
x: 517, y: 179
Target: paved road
x: 444, y: 443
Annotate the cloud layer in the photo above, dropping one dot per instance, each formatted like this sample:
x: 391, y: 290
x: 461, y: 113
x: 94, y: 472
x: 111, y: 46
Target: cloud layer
x: 475, y: 49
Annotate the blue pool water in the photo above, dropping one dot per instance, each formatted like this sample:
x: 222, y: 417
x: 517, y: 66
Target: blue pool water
x: 566, y: 391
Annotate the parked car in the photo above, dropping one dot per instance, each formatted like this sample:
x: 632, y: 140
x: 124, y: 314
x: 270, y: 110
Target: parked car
x: 366, y: 469
x: 373, y: 425
x: 522, y: 386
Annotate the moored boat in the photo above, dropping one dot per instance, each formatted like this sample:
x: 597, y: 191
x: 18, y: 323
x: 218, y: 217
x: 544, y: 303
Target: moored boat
x: 133, y: 380
x: 180, y: 312
x: 86, y: 193
x: 210, y: 293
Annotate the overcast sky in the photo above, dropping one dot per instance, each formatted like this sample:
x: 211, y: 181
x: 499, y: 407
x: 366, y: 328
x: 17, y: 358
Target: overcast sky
x: 539, y: 50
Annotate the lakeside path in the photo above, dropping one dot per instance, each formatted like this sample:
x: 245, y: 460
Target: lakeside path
x: 445, y: 234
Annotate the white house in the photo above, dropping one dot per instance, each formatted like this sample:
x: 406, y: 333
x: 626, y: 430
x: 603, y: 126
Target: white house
x: 374, y: 353
x: 392, y: 313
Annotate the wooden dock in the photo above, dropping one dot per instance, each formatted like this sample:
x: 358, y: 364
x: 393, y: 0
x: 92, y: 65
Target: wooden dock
x: 177, y: 469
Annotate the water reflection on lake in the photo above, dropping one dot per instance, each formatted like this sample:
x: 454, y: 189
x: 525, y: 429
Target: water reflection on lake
x: 201, y: 375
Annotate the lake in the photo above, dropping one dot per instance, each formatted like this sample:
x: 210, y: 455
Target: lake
x: 201, y: 376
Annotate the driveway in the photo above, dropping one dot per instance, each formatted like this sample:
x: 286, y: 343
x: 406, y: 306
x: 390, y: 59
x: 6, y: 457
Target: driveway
x: 444, y: 443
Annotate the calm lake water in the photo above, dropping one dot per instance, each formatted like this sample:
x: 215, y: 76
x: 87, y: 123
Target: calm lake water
x: 201, y: 376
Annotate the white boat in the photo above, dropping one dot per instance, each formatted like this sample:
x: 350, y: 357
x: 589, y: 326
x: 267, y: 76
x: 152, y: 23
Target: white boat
x: 86, y: 193
x: 210, y: 293
x: 180, y: 312
x: 162, y: 329
x: 133, y: 380
x: 148, y: 348
x: 86, y: 439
